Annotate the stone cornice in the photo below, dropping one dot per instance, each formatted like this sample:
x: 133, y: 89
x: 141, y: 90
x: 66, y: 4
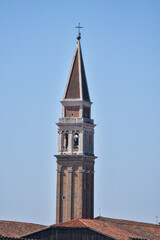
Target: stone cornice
x: 75, y: 157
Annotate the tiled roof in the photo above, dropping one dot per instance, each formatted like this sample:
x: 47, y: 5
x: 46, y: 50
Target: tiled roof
x: 17, y: 229
x: 116, y: 228
x: 76, y: 87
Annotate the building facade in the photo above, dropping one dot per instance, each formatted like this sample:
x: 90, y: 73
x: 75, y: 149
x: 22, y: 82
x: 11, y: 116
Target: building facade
x: 75, y: 157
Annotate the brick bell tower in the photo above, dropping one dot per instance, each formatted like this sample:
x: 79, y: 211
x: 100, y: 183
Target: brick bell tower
x: 75, y: 157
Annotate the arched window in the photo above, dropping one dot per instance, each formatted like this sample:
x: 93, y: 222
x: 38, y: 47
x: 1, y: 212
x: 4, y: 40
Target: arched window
x: 76, y: 141
x: 65, y: 141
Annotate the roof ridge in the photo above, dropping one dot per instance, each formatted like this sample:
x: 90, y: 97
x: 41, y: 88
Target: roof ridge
x: 129, y: 222
x: 69, y: 221
x: 82, y: 220
x: 8, y: 221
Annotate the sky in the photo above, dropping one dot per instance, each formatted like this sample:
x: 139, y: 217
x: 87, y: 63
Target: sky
x: 121, y: 51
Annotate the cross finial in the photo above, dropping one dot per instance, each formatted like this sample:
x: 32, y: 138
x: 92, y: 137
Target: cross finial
x: 79, y: 33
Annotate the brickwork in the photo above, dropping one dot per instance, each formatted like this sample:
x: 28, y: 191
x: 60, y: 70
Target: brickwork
x: 74, y: 190
x: 75, y: 157
x: 72, y: 111
x: 86, y: 112
x: 73, y: 90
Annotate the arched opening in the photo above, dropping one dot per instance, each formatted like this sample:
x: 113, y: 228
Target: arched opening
x: 65, y: 141
x: 76, y: 141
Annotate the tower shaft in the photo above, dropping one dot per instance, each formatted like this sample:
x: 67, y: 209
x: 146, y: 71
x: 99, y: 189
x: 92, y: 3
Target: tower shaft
x: 75, y: 157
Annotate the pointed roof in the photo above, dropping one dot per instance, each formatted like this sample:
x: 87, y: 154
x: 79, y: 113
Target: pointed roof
x: 76, y: 87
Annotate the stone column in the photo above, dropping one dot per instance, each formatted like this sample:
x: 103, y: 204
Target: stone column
x: 87, y: 143
x: 85, y: 194
x: 81, y: 112
x: 63, y: 111
x: 58, y: 203
x: 60, y: 139
x: 92, y: 194
x: 70, y: 142
x: 80, y: 192
x: 90, y: 142
x: 93, y: 142
x: 89, y: 194
x: 81, y: 142
x: 69, y: 193
x: 64, y: 193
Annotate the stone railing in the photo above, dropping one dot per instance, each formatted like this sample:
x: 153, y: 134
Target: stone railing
x: 75, y: 120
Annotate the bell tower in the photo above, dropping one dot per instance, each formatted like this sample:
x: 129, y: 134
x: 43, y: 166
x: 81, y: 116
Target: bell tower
x: 75, y: 157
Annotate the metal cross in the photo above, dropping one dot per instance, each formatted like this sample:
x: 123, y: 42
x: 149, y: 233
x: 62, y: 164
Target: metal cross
x: 79, y: 33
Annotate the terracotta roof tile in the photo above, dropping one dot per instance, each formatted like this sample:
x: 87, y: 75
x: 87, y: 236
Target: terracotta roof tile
x: 116, y: 228
x: 73, y: 223
x: 17, y: 229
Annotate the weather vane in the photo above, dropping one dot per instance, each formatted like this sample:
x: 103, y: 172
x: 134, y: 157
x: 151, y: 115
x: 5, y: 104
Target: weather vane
x: 79, y: 33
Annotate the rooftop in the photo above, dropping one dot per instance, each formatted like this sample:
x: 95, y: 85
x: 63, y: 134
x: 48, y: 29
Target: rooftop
x: 114, y: 228
x: 117, y: 228
x: 17, y: 229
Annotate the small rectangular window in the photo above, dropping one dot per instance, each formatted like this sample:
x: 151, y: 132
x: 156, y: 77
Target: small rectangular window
x: 63, y: 197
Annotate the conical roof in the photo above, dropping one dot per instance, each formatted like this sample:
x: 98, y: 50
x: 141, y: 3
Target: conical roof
x: 76, y: 87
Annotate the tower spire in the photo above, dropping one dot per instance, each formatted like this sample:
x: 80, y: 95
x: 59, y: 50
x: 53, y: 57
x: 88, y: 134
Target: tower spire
x: 76, y: 87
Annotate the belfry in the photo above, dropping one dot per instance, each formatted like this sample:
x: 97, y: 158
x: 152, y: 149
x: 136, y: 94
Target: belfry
x: 75, y: 157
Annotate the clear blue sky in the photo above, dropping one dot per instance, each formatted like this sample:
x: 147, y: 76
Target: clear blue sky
x: 121, y: 51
